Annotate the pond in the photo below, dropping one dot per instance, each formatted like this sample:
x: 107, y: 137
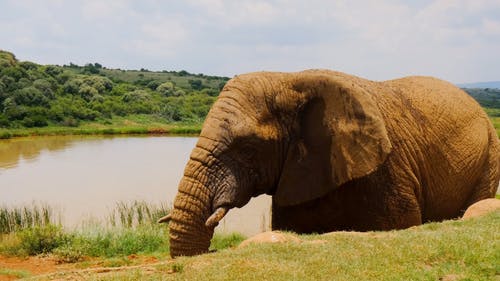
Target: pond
x: 84, y: 177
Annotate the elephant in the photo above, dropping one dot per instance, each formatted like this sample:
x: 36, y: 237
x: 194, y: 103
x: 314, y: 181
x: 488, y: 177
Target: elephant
x: 335, y: 152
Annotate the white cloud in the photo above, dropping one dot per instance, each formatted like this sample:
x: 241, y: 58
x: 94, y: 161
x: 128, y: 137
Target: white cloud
x: 456, y: 40
x: 159, y: 38
x: 491, y: 27
x: 106, y: 10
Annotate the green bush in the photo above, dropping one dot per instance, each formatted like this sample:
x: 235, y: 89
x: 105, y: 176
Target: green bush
x: 68, y: 254
x: 35, y: 121
x: 30, y: 96
x: 4, y: 121
x: 42, y: 239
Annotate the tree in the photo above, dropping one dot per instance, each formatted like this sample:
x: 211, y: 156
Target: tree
x: 30, y: 96
x: 153, y: 85
x: 87, y: 92
x: 53, y: 70
x: 45, y: 87
x: 166, y: 89
x: 90, y: 69
x: 196, y: 84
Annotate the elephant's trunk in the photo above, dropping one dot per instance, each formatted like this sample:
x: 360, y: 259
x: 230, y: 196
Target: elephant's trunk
x: 192, y: 223
x: 188, y: 234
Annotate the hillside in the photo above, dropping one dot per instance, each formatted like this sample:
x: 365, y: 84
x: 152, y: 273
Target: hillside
x: 488, y: 98
x: 33, y: 95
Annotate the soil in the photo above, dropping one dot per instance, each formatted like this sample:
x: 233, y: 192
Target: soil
x: 30, y: 265
x: 49, y: 267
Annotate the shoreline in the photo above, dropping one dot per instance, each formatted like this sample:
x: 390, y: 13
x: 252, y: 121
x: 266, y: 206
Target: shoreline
x: 173, y: 130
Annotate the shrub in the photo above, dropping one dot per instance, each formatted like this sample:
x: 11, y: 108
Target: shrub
x: 166, y: 89
x: 68, y: 254
x: 45, y: 87
x: 70, y: 122
x: 35, y: 121
x: 196, y: 84
x: 44, y: 239
x: 137, y: 95
x: 87, y: 92
x: 4, y: 122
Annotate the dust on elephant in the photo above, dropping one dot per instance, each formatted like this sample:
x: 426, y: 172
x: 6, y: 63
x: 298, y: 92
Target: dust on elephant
x: 336, y: 152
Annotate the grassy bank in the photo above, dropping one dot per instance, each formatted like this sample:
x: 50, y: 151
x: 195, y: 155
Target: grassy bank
x: 130, y: 228
x: 135, y: 124
x: 458, y: 250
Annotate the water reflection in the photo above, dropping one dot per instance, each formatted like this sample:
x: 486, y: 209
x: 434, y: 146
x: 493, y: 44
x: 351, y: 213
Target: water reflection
x: 28, y: 149
x: 86, y: 176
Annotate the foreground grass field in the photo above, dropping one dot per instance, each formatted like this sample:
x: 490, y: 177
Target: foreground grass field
x: 452, y: 250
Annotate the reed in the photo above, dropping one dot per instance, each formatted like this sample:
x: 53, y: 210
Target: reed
x: 14, y: 219
x: 136, y: 213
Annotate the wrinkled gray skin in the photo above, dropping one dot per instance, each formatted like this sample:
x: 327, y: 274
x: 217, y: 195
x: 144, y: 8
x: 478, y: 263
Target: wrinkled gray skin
x: 336, y: 152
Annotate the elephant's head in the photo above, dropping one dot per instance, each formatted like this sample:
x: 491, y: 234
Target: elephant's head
x: 295, y: 136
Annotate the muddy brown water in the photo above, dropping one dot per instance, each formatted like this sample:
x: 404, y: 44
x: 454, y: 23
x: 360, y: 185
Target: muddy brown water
x: 84, y: 177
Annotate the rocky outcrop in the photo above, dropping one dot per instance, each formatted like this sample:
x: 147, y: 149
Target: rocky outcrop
x: 482, y: 208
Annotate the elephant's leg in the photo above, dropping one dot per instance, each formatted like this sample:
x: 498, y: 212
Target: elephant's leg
x: 488, y: 182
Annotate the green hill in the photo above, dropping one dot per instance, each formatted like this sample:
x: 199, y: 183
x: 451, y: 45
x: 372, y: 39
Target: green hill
x: 33, y: 95
x: 486, y: 97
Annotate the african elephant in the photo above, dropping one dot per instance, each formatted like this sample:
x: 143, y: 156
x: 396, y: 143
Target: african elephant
x: 336, y: 152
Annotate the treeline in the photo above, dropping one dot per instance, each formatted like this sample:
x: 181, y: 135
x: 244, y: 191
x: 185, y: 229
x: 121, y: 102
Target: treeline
x: 33, y: 95
x: 487, y: 97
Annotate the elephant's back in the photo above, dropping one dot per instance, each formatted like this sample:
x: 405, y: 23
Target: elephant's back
x: 447, y: 132
x: 439, y: 108
x: 432, y: 96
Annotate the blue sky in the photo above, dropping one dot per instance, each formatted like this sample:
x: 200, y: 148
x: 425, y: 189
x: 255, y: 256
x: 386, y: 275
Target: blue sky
x: 457, y: 40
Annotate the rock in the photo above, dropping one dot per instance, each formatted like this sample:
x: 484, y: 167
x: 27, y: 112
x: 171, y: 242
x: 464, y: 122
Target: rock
x: 481, y: 208
x: 270, y: 237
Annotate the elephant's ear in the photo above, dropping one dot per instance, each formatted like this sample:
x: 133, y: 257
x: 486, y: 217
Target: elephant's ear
x: 338, y: 135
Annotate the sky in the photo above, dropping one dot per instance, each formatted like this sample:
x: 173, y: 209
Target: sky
x: 456, y: 40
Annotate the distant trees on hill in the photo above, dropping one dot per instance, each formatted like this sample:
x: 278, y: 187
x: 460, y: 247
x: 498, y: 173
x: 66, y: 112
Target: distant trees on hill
x: 33, y: 95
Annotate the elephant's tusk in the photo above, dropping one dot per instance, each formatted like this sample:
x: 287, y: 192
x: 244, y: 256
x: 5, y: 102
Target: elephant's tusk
x: 214, y: 219
x: 165, y: 219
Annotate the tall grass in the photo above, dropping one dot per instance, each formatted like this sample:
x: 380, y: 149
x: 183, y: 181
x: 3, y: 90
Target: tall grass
x: 136, y: 213
x: 19, y: 218
x: 130, y: 228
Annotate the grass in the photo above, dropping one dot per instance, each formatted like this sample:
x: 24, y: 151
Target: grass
x: 19, y: 218
x: 134, y: 124
x: 13, y: 273
x: 136, y: 213
x: 466, y: 250
x: 130, y: 228
x: 494, y: 114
